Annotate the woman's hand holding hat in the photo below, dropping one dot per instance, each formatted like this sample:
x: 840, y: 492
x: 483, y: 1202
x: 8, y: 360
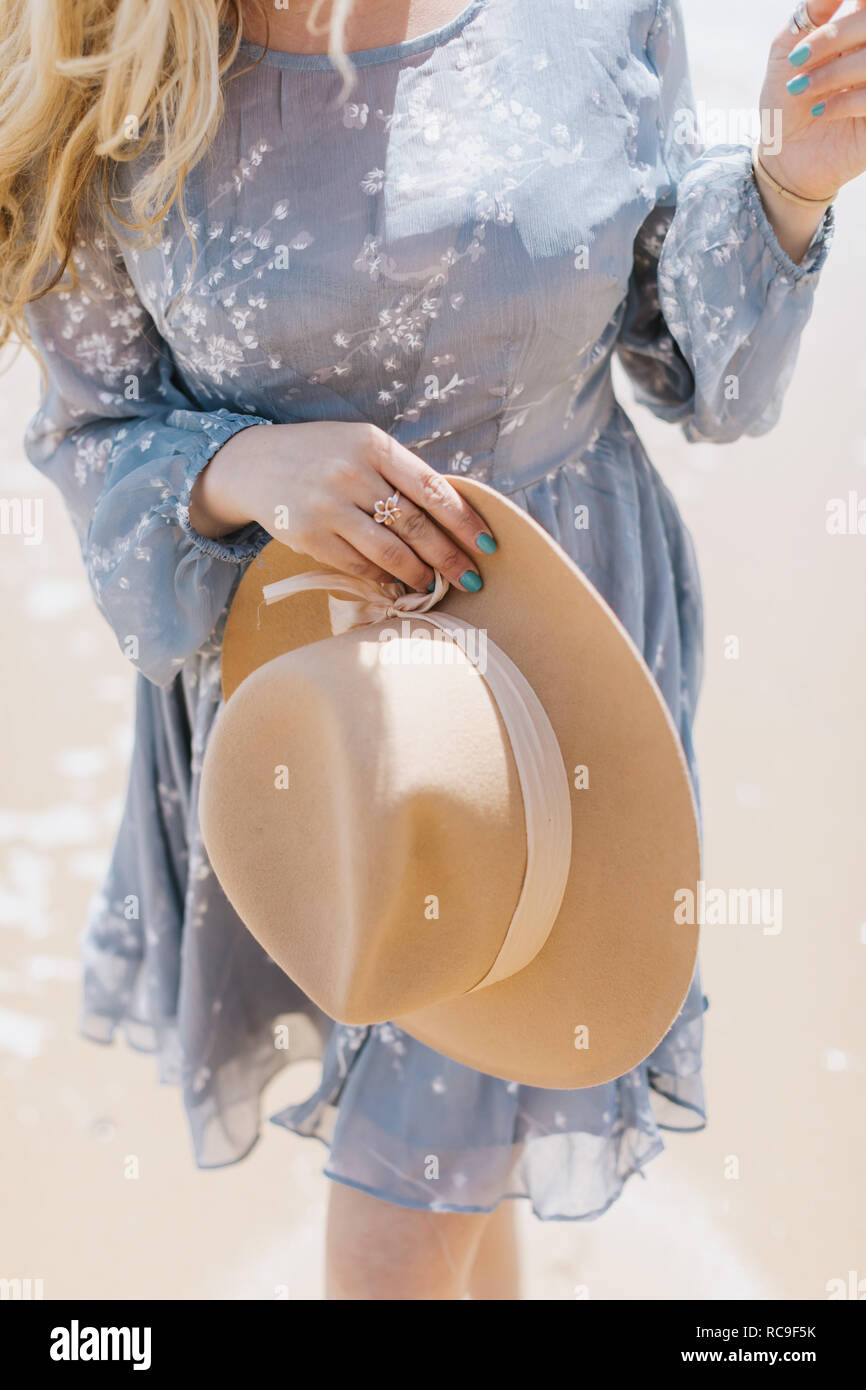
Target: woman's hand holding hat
x: 323, y: 488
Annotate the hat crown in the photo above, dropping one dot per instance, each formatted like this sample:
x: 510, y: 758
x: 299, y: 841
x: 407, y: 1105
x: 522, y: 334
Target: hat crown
x: 403, y: 822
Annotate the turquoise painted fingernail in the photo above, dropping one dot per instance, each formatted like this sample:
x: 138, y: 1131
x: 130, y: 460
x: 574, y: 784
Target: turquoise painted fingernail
x: 799, y: 55
x: 431, y: 586
x: 486, y: 543
x: 817, y: 110
x: 471, y: 581
x: 798, y: 84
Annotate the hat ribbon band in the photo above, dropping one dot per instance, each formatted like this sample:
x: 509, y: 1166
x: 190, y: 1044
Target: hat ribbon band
x: 535, y: 747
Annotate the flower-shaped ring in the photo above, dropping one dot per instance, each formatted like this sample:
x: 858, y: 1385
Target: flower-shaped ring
x: 388, y: 512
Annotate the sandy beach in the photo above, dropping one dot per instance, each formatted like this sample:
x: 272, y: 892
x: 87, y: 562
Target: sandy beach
x: 767, y: 1201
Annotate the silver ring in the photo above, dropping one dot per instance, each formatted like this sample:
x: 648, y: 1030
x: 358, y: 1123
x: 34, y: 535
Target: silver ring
x: 388, y: 511
x: 801, y: 21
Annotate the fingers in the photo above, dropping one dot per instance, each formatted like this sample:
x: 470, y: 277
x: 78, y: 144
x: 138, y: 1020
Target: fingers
x: 811, y: 55
x: 338, y: 554
x: 386, y: 550
x: 845, y: 104
x: 413, y: 555
x: 821, y: 11
x: 434, y: 546
x: 833, y: 78
x: 430, y: 491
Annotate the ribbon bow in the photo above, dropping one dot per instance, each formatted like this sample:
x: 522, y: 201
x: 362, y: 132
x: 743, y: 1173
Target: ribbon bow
x: 373, y: 602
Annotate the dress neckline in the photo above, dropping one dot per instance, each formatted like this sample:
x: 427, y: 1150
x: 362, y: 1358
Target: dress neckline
x: 422, y: 43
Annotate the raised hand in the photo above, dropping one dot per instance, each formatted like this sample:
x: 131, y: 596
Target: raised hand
x: 818, y: 82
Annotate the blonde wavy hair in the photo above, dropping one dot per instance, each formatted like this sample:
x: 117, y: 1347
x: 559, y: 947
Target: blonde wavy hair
x: 86, y: 85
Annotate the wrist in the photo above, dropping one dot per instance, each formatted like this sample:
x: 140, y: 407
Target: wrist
x: 216, y: 505
x: 794, y: 223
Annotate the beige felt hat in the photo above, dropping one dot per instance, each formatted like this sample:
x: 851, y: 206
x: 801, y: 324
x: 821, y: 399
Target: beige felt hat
x: 475, y: 830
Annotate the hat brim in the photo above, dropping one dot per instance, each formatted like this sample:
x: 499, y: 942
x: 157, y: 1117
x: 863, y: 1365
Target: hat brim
x: 616, y: 967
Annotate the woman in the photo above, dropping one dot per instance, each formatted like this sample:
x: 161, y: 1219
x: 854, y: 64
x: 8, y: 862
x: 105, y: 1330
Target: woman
x: 298, y: 287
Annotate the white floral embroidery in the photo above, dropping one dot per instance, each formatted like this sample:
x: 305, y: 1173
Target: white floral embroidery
x: 421, y: 258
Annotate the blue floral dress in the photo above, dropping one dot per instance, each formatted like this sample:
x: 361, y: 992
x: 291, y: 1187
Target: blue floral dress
x: 456, y: 251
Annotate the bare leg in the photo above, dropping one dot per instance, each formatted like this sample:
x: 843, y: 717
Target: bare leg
x: 377, y: 1250
x: 496, y: 1269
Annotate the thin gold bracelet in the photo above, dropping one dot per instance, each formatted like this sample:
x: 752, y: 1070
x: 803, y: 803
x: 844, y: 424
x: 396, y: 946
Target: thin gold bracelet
x: 811, y: 203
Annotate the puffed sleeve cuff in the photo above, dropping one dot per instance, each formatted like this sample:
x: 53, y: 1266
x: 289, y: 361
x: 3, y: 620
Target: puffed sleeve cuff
x: 214, y: 429
x: 819, y: 246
